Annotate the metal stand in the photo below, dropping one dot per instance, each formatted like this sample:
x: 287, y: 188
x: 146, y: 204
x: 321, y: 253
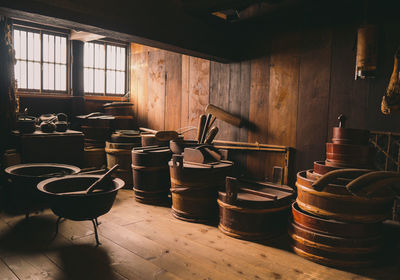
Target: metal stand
x: 95, y: 224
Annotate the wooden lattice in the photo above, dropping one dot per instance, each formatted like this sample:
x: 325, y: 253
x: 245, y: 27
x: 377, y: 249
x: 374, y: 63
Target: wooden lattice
x: 387, y: 157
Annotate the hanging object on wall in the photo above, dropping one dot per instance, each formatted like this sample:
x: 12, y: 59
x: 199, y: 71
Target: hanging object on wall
x: 391, y: 99
x: 367, y: 50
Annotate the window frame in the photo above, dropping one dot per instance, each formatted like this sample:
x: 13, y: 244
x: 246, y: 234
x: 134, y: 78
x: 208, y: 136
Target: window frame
x: 105, y: 43
x: 53, y: 31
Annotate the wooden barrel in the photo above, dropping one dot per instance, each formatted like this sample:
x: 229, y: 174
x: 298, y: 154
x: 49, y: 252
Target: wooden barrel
x: 350, y: 136
x: 320, y: 168
x: 126, y: 136
x: 120, y: 153
x: 151, y: 181
x: 94, y: 157
x: 335, y: 202
x: 119, y: 108
x: 345, y: 155
x: 124, y: 123
x: 194, y: 188
x: 253, y: 211
x: 335, y: 243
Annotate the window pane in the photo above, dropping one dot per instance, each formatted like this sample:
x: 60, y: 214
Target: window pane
x: 63, y: 85
x: 88, y: 77
x: 99, y: 81
x: 63, y: 50
x: 17, y: 44
x: 99, y: 55
x: 110, y: 81
x: 51, y: 48
x: 45, y: 75
x: 36, y: 40
x: 120, y: 87
x: 23, y: 45
x: 48, y: 76
x: 22, y: 81
x: 45, y: 47
x: 30, y: 46
x: 58, y: 77
x: 58, y: 49
x: 36, y: 75
x: 30, y: 75
x: 121, y: 59
x: 110, y: 57
x: 88, y: 55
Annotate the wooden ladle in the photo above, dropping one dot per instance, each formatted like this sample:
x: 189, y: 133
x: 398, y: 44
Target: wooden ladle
x: 93, y: 186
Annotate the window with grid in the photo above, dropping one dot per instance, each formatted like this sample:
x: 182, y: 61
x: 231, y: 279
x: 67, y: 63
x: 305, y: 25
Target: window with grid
x: 41, y: 60
x: 104, y: 68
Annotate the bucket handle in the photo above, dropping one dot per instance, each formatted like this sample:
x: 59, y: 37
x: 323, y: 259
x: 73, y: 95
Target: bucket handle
x: 177, y: 161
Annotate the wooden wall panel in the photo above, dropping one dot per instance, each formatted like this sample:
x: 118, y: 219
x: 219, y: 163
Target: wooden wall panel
x: 219, y: 94
x: 173, y: 91
x: 139, y: 54
x: 347, y: 96
x: 258, y: 113
x: 312, y: 119
x: 292, y: 95
x: 156, y: 89
x: 199, y: 90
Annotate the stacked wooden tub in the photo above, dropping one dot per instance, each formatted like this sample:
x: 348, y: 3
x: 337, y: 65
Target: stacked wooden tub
x: 330, y: 224
x: 118, y: 150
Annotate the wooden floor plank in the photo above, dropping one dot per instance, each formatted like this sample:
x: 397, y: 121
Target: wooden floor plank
x: 145, y: 242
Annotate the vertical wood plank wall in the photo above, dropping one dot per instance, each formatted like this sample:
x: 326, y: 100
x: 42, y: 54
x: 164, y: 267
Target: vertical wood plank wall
x: 293, y: 94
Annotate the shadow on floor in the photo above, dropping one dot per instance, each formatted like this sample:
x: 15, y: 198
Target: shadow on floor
x: 85, y: 262
x: 35, y: 235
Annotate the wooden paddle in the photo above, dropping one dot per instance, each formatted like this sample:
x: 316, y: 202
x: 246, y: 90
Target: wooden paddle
x: 162, y: 135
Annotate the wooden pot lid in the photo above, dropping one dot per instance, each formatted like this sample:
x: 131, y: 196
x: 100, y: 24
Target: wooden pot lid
x: 255, y: 195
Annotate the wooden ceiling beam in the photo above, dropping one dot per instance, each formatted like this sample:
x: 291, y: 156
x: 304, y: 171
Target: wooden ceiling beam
x: 158, y: 23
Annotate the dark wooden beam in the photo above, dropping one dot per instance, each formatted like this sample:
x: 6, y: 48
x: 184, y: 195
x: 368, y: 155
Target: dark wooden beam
x: 77, y: 68
x: 158, y: 23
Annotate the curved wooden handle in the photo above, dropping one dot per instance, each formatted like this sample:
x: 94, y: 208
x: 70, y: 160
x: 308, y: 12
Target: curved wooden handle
x: 101, y: 179
x: 327, y: 178
x: 357, y: 185
x: 224, y: 115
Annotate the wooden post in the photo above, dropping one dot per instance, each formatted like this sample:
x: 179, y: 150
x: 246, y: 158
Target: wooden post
x: 77, y: 68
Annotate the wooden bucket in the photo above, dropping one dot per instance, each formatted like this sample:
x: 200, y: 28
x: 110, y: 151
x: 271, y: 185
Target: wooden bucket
x: 151, y: 181
x: 194, y: 188
x: 350, y: 136
x: 335, y: 243
x: 120, y: 153
x: 338, y: 155
x: 254, y: 211
x: 94, y: 157
x: 119, y: 108
x: 335, y: 202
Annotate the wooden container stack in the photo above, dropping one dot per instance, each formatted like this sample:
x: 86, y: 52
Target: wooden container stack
x: 118, y: 150
x: 194, y: 188
x: 331, y: 223
x: 254, y: 210
x: 151, y: 180
x: 123, y: 114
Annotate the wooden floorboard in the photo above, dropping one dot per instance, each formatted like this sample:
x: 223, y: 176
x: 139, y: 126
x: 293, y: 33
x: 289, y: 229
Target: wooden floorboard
x: 145, y: 242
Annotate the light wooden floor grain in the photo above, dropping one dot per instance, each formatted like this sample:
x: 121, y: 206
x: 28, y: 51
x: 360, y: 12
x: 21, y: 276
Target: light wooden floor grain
x: 145, y: 242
